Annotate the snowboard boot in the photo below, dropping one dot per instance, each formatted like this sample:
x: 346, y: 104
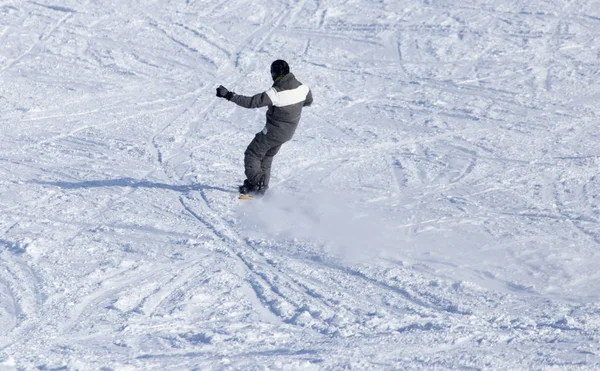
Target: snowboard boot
x: 261, y: 187
x: 249, y: 188
x: 246, y: 188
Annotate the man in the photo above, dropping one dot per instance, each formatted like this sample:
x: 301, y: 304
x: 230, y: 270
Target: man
x: 285, y: 100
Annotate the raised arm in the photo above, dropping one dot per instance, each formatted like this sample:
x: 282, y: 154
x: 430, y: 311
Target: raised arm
x: 256, y: 101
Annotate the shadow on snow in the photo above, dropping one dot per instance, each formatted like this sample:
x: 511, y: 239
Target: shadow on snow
x: 130, y: 182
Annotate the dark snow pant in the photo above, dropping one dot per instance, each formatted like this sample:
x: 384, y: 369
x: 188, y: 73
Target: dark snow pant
x: 259, y: 157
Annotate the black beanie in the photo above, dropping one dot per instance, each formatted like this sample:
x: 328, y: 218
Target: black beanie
x: 279, y: 68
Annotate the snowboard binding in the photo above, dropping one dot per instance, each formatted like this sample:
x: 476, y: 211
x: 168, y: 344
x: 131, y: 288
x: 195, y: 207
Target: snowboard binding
x: 252, y: 189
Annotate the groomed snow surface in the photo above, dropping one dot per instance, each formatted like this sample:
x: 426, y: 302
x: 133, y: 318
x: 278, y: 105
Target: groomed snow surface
x: 438, y: 208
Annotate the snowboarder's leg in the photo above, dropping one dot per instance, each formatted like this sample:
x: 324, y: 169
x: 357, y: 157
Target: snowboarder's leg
x: 253, y: 158
x: 256, y: 152
x: 267, y: 162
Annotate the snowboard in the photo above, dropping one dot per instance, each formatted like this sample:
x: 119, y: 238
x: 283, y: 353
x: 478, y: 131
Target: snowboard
x: 245, y: 197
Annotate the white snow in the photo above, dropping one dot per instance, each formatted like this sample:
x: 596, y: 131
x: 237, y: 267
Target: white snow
x: 438, y: 208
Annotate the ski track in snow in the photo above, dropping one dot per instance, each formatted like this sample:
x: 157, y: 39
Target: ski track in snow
x: 438, y: 207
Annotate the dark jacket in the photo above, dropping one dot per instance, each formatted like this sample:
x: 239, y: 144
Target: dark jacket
x: 285, y: 99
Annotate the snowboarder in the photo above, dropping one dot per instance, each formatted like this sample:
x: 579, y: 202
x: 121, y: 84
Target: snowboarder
x: 285, y: 100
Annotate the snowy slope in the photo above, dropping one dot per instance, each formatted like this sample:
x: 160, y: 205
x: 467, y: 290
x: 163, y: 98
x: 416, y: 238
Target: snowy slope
x: 439, y: 207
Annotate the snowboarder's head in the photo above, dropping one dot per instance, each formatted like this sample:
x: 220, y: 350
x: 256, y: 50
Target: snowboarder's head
x: 279, y: 68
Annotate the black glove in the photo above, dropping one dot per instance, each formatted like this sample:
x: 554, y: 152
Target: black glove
x: 222, y: 92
